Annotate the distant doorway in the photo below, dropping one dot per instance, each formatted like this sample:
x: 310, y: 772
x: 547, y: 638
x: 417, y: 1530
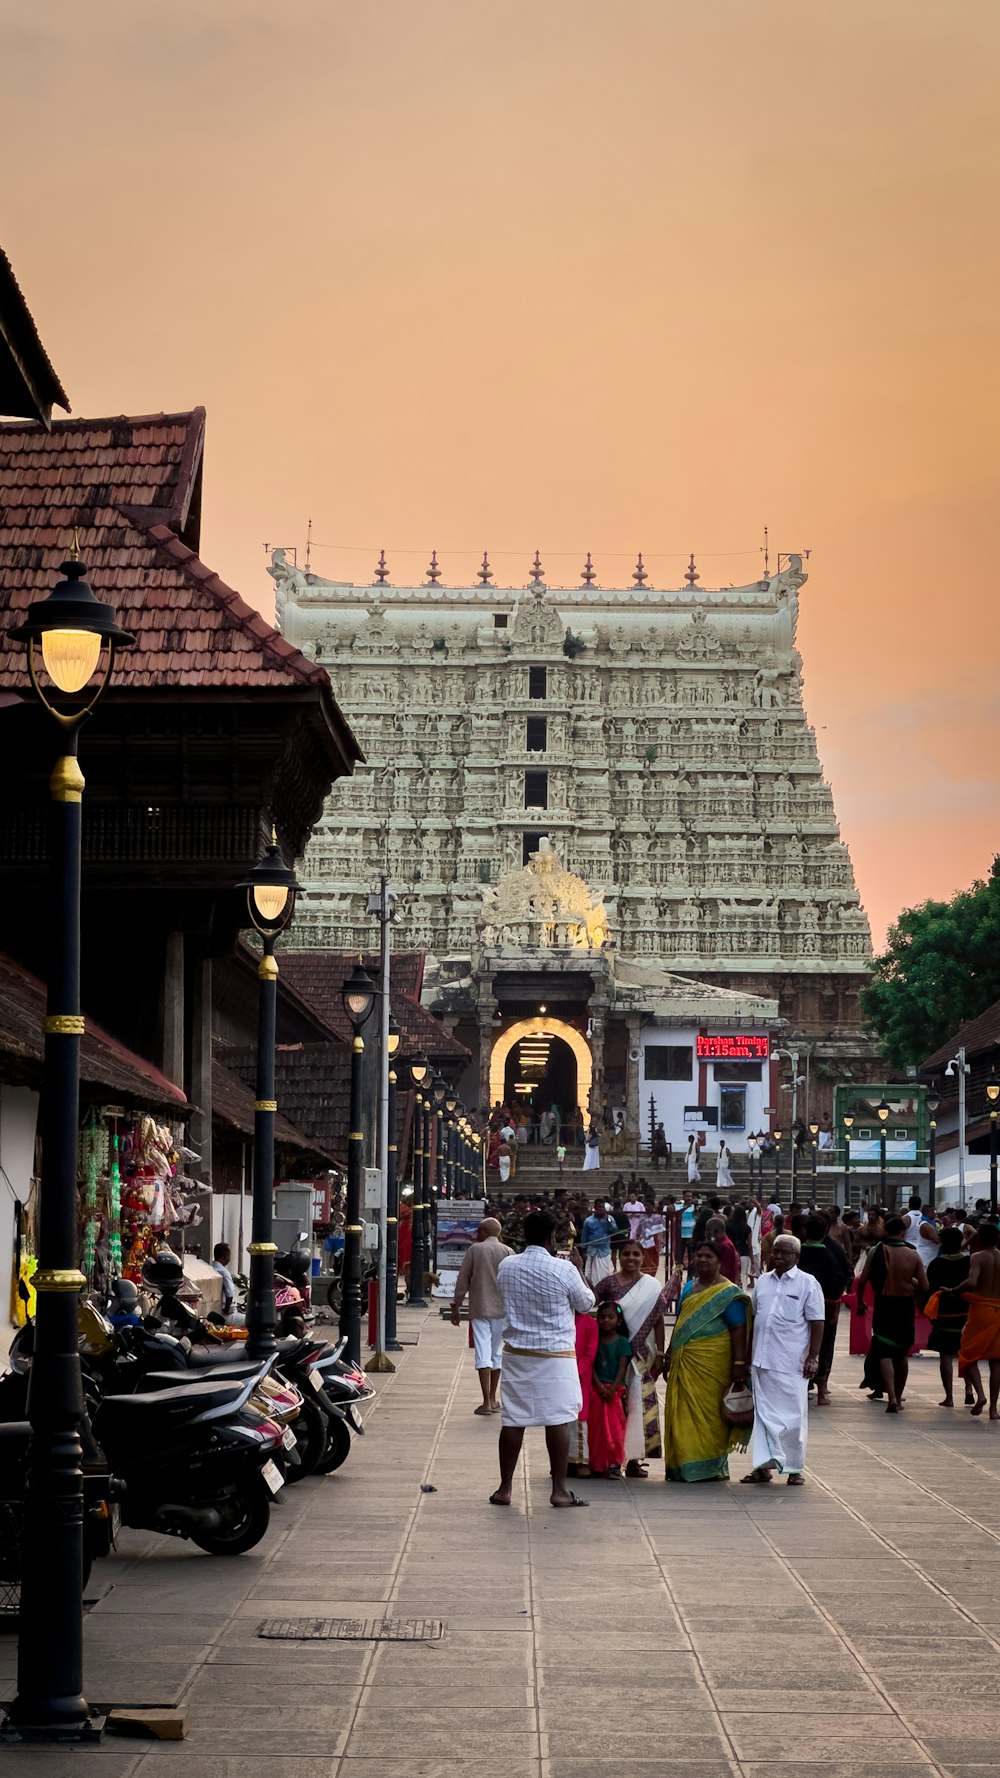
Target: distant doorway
x: 541, y: 1071
x: 566, y: 1066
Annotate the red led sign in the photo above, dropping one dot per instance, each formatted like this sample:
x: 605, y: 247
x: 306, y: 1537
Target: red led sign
x: 742, y: 1047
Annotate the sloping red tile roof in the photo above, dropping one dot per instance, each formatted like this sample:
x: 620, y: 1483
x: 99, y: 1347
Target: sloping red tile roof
x: 978, y: 1035
x: 319, y: 976
x: 107, y: 1068
x: 28, y: 383
x: 131, y: 488
x: 233, y: 1104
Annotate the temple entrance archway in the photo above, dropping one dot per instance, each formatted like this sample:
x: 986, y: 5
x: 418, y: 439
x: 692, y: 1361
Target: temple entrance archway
x: 573, y: 1072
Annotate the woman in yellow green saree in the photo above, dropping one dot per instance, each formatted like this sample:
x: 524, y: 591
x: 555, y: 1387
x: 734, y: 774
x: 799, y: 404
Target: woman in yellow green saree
x: 708, y: 1352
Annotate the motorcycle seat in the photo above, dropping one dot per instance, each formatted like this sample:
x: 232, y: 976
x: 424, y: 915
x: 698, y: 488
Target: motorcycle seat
x: 218, y: 1358
x: 230, y: 1373
x: 169, y: 1405
x: 14, y: 1436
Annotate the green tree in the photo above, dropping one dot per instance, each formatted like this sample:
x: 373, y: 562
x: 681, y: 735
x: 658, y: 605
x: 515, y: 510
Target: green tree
x: 941, y: 966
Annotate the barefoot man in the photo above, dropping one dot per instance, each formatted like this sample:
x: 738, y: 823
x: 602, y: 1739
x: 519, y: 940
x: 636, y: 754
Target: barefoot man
x: 478, y: 1276
x: 981, y: 1334
x: 542, y: 1297
x: 895, y: 1272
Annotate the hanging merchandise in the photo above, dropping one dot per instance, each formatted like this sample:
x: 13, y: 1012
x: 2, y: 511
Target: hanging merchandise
x: 94, y: 1146
x: 115, y: 1211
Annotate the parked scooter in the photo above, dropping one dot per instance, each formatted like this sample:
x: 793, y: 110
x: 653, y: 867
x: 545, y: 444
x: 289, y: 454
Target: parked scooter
x: 101, y: 1515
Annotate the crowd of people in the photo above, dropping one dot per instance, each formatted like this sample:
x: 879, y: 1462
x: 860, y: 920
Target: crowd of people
x: 737, y: 1306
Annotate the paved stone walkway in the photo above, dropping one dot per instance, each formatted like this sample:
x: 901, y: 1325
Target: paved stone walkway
x: 850, y: 1627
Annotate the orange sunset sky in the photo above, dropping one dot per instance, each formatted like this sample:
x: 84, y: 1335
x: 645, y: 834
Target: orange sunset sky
x: 581, y: 274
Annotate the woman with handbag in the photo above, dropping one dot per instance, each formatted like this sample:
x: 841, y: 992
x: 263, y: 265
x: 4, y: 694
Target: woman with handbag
x: 709, y: 1411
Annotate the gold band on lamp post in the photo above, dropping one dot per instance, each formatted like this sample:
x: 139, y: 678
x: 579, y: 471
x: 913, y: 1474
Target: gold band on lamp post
x: 262, y: 1247
x: 55, y: 1279
x: 63, y: 1024
x: 267, y: 969
x: 265, y: 1104
x: 66, y: 782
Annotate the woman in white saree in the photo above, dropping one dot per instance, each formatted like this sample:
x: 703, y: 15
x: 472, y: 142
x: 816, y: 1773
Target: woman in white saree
x: 643, y: 1301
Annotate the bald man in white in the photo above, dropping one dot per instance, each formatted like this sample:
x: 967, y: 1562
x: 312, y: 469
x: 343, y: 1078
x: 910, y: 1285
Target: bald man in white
x: 478, y: 1277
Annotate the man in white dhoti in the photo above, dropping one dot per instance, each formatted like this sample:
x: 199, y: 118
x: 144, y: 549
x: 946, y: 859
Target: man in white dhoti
x: 542, y: 1297
x: 789, y: 1316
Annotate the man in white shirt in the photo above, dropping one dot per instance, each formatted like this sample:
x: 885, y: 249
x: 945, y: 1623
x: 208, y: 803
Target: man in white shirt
x: 921, y: 1232
x: 789, y: 1316
x: 542, y: 1297
x: 478, y: 1278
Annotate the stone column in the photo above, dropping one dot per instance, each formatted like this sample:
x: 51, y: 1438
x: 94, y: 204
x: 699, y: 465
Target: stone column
x: 597, y: 1063
x: 633, y: 1108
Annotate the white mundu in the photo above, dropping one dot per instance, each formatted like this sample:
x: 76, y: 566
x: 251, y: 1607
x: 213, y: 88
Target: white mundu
x: 783, y: 1305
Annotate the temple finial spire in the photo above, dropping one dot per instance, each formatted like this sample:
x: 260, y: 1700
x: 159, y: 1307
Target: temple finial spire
x: 537, y: 571
x: 381, y: 571
x: 433, y: 572
x: 691, y: 574
x: 588, y: 573
x: 484, y: 572
x: 639, y: 573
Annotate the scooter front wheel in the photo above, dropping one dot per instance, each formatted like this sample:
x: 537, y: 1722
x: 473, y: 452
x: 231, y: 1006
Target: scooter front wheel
x: 310, y: 1437
x: 338, y: 1448
x: 246, y: 1514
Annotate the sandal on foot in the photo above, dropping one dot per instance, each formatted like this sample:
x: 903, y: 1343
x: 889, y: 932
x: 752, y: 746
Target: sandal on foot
x: 574, y: 1500
x: 757, y: 1476
x: 796, y: 1480
x: 636, y: 1471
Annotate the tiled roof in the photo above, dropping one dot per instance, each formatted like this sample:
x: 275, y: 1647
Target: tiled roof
x: 107, y: 1068
x: 313, y: 1088
x: 319, y: 976
x: 28, y: 384
x: 131, y: 488
x: 982, y: 1033
x: 233, y: 1104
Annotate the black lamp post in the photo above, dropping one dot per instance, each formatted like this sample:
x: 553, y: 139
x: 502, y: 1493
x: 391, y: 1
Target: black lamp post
x: 777, y: 1162
x: 69, y: 630
x: 392, y: 1344
x: 450, y: 1104
x: 814, y: 1142
x: 933, y: 1103
x: 439, y: 1092
x: 882, y: 1112
x: 992, y: 1095
x: 358, y: 997
x: 419, y: 1070
x: 271, y: 890
x: 848, y: 1123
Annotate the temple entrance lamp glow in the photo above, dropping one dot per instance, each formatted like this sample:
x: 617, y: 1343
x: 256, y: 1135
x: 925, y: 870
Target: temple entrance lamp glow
x: 65, y: 636
x: 271, y: 890
x: 358, y: 998
x: 814, y: 1141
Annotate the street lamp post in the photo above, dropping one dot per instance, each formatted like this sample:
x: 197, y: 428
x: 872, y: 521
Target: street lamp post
x: 777, y: 1162
x: 882, y: 1111
x: 419, y: 1070
x: 69, y: 631
x: 358, y: 996
x: 933, y: 1103
x: 848, y: 1123
x: 814, y: 1142
x: 992, y: 1095
x: 392, y: 1343
x: 271, y: 890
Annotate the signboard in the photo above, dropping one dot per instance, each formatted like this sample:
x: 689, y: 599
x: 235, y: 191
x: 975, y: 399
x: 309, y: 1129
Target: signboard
x: 741, y: 1046
x: 897, y: 1149
x: 701, y: 1117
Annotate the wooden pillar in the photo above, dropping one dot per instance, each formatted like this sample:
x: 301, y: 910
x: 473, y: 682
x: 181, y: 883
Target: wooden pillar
x: 172, y: 1016
x: 198, y: 1084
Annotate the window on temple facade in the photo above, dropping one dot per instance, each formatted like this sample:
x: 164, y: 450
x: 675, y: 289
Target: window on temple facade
x: 536, y: 790
x: 537, y: 682
x: 536, y: 734
x: 668, y: 1061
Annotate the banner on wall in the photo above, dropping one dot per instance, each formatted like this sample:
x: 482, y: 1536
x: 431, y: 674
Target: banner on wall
x: 701, y: 1117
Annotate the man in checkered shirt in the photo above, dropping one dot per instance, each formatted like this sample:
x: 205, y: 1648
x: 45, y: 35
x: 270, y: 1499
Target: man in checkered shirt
x: 542, y: 1297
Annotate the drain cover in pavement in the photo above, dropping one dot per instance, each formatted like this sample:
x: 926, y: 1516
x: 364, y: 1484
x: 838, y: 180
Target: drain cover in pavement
x: 352, y: 1629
